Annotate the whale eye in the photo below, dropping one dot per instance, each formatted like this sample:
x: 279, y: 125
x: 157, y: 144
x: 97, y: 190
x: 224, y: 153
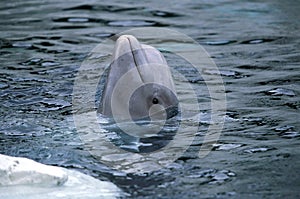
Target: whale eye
x: 155, y: 100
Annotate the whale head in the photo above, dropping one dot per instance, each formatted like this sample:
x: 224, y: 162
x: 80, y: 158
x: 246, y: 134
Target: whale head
x: 139, y: 84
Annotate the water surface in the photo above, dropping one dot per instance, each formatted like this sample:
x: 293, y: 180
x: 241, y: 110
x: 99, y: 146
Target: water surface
x: 255, y: 44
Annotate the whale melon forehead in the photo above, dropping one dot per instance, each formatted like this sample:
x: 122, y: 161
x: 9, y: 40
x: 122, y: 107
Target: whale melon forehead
x: 142, y: 53
x: 149, y: 66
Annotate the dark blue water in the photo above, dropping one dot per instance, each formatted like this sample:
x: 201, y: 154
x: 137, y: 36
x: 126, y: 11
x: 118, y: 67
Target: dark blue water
x: 255, y: 45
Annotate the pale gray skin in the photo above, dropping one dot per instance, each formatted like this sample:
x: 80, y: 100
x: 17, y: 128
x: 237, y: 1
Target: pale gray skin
x: 130, y: 54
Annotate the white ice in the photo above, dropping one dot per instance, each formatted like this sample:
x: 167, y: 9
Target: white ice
x: 25, y: 178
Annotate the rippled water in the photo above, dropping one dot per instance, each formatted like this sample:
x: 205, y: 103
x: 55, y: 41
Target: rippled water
x: 255, y: 44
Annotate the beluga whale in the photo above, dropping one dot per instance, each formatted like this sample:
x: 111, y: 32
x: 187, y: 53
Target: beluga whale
x: 139, y: 84
x: 139, y: 96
